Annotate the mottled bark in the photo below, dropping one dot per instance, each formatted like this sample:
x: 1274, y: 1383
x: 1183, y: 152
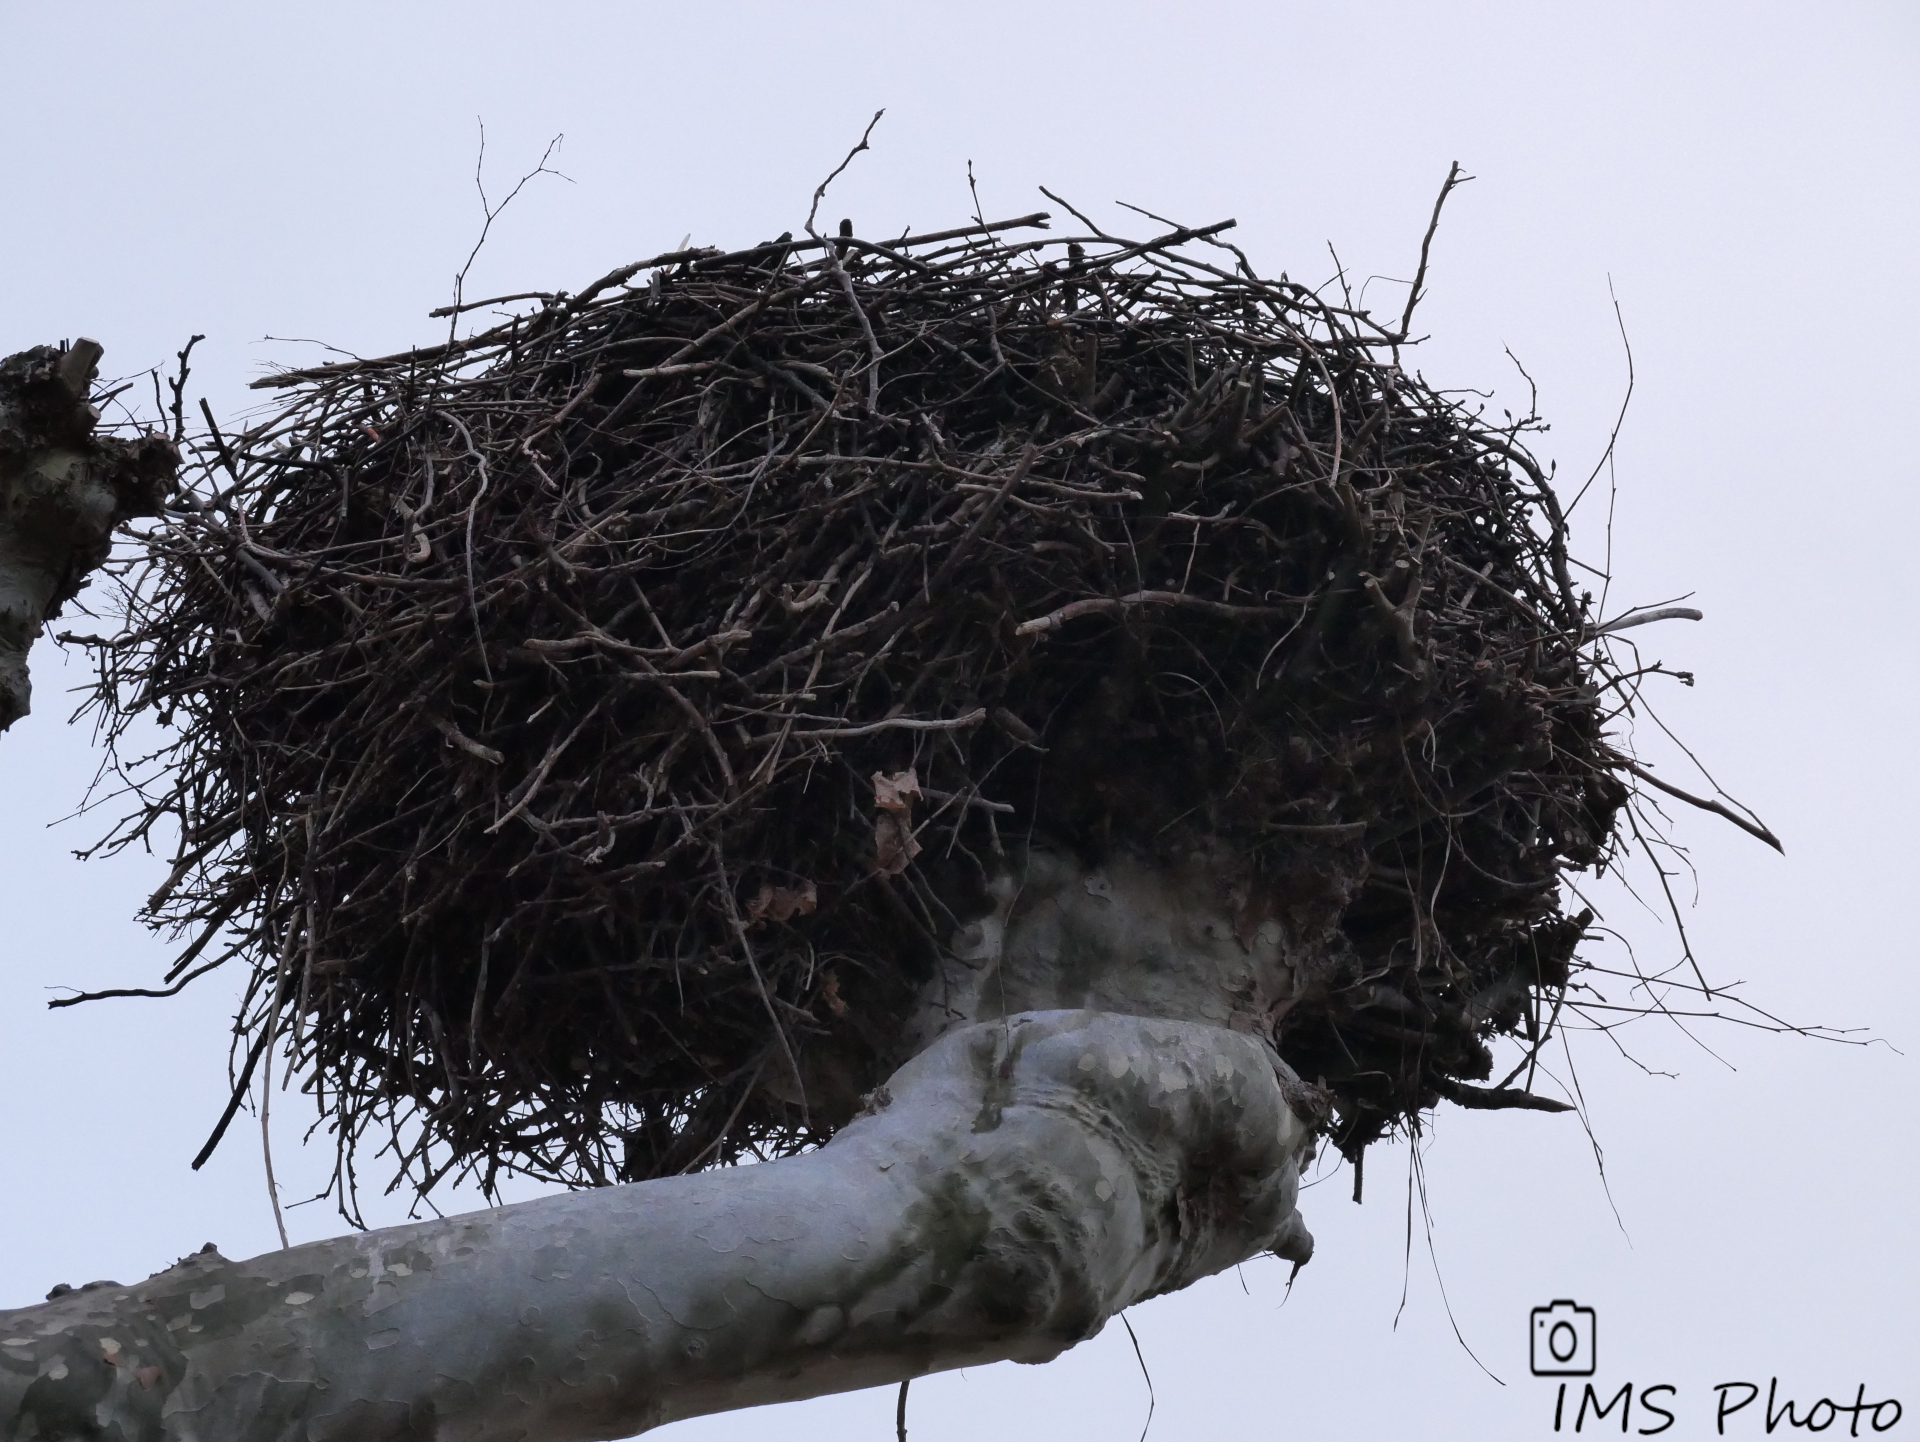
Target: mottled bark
x: 1028, y: 1174
x: 62, y: 491
x: 1016, y: 1185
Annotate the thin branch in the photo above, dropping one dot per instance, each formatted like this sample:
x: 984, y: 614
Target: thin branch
x: 1613, y: 438
x: 820, y: 190
x: 1454, y: 177
x: 1752, y: 828
x: 1141, y: 1358
x: 1647, y: 617
x: 491, y: 213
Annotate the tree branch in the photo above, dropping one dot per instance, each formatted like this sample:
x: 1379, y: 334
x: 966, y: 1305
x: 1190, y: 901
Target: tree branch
x: 62, y: 491
x: 1025, y: 1181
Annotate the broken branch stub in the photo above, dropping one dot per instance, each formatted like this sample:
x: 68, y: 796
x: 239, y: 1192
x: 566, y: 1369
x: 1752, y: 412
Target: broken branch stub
x: 63, y: 489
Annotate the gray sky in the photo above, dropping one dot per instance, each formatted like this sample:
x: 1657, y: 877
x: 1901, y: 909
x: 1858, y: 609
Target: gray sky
x: 1743, y: 174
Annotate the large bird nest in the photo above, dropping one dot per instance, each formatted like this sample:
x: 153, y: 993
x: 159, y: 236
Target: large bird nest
x: 580, y: 725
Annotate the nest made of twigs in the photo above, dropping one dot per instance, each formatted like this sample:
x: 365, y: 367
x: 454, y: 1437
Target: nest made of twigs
x: 541, y: 702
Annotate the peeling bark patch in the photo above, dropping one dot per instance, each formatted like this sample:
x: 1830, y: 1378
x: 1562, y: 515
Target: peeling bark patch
x: 383, y: 1339
x: 785, y: 1228
x: 723, y: 1234
x: 384, y: 1295
x: 552, y: 1263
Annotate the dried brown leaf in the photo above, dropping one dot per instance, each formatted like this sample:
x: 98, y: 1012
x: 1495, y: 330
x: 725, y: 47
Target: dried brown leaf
x: 893, y: 842
x: 897, y: 792
x: 783, y: 903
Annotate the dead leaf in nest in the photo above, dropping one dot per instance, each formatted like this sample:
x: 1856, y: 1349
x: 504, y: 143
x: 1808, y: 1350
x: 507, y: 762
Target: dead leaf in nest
x: 893, y: 843
x: 897, y: 792
x: 830, y: 994
x: 783, y: 903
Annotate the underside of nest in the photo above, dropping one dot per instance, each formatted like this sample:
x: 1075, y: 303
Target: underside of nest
x: 573, y: 721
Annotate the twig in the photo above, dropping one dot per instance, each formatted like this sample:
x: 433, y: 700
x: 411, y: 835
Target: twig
x: 1613, y: 437
x: 1141, y: 1358
x: 491, y: 213
x: 1752, y: 828
x: 1118, y: 605
x: 178, y: 385
x: 1647, y: 617
x: 820, y: 190
x: 896, y: 723
x: 1454, y: 177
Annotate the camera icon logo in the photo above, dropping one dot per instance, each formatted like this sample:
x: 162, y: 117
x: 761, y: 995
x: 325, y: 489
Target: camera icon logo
x: 1563, y: 1340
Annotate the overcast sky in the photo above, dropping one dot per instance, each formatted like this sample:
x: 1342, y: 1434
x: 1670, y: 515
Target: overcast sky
x: 1743, y: 176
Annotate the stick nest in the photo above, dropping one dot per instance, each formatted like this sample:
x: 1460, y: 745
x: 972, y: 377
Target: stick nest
x: 584, y: 727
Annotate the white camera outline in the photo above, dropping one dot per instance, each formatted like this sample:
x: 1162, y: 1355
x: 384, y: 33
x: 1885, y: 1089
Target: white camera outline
x: 1562, y: 1312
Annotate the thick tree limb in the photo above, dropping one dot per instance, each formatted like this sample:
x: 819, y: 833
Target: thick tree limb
x: 1021, y: 1182
x: 62, y: 491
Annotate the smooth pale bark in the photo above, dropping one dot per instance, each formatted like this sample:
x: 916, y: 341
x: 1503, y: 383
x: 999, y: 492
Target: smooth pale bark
x: 1021, y: 1181
x: 62, y: 491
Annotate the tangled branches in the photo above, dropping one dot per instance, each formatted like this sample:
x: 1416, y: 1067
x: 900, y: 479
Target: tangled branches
x: 586, y: 728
